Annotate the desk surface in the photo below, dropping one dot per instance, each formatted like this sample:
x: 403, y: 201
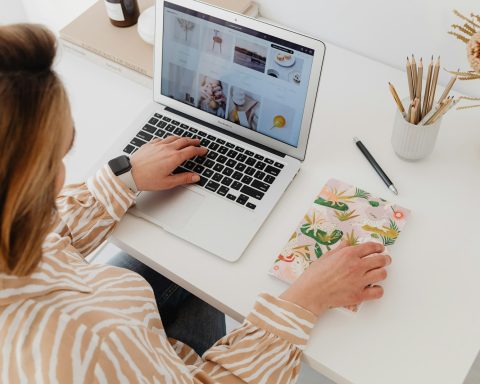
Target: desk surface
x: 425, y: 329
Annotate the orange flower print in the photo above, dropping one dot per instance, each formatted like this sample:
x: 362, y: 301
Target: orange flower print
x: 276, y: 268
x: 398, y: 215
x: 288, y: 258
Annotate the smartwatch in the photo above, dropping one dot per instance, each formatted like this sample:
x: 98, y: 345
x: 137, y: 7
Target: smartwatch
x: 122, y: 168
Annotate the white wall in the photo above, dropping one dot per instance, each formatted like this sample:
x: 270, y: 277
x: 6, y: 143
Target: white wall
x: 385, y: 30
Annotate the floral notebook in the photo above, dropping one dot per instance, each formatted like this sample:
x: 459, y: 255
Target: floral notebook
x: 339, y: 212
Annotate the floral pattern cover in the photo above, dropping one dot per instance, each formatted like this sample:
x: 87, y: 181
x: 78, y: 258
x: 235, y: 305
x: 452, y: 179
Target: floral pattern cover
x: 339, y: 212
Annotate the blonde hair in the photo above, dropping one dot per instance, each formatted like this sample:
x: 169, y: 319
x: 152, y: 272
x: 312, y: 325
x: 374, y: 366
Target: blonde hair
x: 34, y: 114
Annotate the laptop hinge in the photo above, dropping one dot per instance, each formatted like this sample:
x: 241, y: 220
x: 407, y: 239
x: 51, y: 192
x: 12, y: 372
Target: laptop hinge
x: 225, y: 132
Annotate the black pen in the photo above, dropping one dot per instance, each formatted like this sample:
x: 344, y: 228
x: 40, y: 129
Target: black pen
x: 375, y: 165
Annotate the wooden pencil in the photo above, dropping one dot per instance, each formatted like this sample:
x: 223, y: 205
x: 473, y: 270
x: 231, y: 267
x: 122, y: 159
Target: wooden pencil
x: 397, y: 100
x: 409, y: 78
x: 433, y: 86
x: 448, y: 88
x: 418, y: 92
x: 439, y: 112
x: 427, y: 88
x: 414, y: 76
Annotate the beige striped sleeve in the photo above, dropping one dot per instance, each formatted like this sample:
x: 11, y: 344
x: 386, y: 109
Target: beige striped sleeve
x: 88, y: 212
x: 266, y: 348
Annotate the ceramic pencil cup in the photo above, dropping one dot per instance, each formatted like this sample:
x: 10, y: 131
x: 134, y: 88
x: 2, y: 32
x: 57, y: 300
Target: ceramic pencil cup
x: 413, y: 142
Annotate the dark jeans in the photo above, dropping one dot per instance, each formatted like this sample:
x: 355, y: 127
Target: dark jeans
x: 185, y: 317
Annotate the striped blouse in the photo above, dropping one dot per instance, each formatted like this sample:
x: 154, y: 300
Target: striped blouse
x: 73, y: 322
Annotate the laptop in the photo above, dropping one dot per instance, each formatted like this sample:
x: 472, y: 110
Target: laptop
x: 247, y: 89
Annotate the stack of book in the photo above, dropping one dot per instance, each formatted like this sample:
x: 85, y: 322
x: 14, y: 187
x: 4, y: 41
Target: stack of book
x: 121, y: 50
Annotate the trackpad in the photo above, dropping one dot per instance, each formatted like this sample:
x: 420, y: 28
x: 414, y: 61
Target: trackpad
x: 172, y: 208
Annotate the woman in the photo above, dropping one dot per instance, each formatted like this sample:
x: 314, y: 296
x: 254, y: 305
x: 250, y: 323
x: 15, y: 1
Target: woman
x: 63, y: 320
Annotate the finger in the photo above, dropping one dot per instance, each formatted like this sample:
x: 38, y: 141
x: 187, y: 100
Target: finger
x: 376, y: 261
x: 375, y: 275
x: 169, y: 139
x: 190, y: 152
x: 156, y: 140
x: 340, y: 246
x: 185, y: 142
x: 366, y: 249
x: 182, y: 179
x: 372, y: 293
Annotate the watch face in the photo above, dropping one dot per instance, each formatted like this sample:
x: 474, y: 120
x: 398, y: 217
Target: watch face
x: 120, y: 165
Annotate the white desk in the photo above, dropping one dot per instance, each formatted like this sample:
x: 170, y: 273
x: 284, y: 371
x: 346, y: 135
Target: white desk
x: 426, y: 328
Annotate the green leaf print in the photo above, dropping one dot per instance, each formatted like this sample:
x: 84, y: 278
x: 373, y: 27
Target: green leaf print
x: 374, y: 203
x: 331, y: 204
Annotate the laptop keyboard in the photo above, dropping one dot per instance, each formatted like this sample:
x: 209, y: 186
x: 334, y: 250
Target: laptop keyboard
x: 228, y: 170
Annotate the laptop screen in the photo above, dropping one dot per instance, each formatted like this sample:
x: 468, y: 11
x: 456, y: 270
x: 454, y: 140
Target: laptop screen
x: 250, y: 78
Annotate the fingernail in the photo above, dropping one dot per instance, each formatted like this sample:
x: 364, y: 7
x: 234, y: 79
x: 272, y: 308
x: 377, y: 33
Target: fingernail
x: 195, y: 178
x: 389, y: 260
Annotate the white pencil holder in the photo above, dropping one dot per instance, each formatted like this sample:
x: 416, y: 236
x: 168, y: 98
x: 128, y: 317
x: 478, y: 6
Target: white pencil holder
x: 413, y: 142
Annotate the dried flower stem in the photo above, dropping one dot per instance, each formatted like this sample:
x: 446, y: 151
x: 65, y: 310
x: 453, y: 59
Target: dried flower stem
x: 469, y: 27
x: 462, y: 29
x: 468, y: 106
x: 459, y: 37
x: 468, y: 98
x: 466, y: 18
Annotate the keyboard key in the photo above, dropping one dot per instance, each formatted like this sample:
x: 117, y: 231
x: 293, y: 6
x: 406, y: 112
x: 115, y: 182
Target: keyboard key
x: 227, y: 171
x: 210, y: 137
x: 250, y: 161
x: 184, y: 126
x: 137, y: 142
x: 231, y: 163
x: 166, y: 118
x: 250, y: 171
x: 222, y: 159
x: 208, y: 172
x: 241, y: 157
x: 217, y: 176
x: 202, y: 181
x: 249, y: 153
x: 153, y: 121
x: 268, y: 161
x: 222, y: 191
x: 246, y: 179
x: 223, y: 150
x: 269, y: 179
x: 212, y: 155
x: 199, y: 168
x: 180, y: 170
x: 230, y: 145
x: 237, y: 175
x: 204, y: 142
x: 191, y: 129
x: 144, y: 136
x: 149, y: 128
x: 240, y: 167
x: 160, y: 133
x: 178, y: 131
x: 218, y: 167
x: 128, y: 149
x: 188, y: 134
x: 232, y: 154
x: 212, y: 186
x: 175, y: 122
x: 189, y: 164
x: 259, y: 157
x: 231, y: 197
x: 252, y: 192
x: 242, y: 199
x: 200, y: 159
x: 251, y: 206
x: 167, y: 134
x: 279, y: 165
x: 272, y: 170
x: 157, y: 115
x: 236, y: 185
x: 260, y: 165
x: 227, y: 181
x: 170, y: 128
x: 239, y: 149
x: 260, y: 185
x: 213, y: 146
x: 209, y: 163
x: 201, y: 133
x: 161, y: 124
x: 220, y: 141
x: 259, y: 175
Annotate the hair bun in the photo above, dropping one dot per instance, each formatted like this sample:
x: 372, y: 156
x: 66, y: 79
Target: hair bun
x: 26, y: 47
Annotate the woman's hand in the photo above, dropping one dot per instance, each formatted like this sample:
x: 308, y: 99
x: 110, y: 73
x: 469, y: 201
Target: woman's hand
x: 342, y: 277
x: 154, y: 162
